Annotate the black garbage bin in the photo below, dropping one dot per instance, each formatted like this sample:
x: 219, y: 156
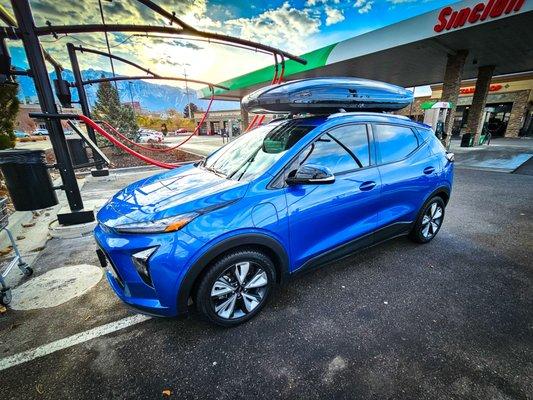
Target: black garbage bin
x: 27, y: 179
x: 77, y: 151
x: 465, y: 140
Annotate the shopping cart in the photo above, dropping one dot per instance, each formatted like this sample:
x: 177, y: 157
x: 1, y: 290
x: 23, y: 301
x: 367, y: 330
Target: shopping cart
x: 5, y: 291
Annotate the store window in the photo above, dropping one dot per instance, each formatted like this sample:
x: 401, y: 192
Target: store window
x: 496, y: 119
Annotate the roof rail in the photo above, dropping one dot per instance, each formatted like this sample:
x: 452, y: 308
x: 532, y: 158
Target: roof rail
x: 373, y: 114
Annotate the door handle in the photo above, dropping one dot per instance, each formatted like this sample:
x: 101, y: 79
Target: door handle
x: 429, y: 170
x: 368, y: 185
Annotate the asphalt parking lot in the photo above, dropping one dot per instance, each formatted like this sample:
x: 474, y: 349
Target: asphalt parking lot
x: 447, y: 320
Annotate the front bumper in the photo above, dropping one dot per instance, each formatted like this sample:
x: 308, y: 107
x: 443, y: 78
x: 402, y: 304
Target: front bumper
x: 168, y: 265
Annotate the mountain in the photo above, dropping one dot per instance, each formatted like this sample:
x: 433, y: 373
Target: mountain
x: 152, y: 96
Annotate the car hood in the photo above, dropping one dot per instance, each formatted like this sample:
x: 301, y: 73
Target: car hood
x: 182, y: 190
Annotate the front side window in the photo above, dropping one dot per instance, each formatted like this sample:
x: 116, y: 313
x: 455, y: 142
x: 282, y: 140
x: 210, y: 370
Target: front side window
x: 355, y: 140
x: 342, y: 149
x: 394, y: 142
x: 254, y: 152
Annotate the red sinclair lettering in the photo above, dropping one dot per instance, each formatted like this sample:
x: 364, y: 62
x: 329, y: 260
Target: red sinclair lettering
x: 486, y: 11
x: 476, y: 13
x: 451, y: 19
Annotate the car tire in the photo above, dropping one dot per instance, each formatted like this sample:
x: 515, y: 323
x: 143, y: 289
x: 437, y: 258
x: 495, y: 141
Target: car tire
x: 235, y: 287
x: 429, y: 220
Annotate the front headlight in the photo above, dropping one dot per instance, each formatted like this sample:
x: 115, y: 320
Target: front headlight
x: 170, y: 224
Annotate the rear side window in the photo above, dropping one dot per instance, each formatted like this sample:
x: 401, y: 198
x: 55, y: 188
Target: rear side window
x: 395, y: 142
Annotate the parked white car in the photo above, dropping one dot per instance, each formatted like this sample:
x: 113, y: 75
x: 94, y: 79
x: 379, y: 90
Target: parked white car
x: 40, y: 132
x: 149, y: 136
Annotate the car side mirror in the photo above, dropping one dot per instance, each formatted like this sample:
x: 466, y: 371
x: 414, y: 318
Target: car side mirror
x: 309, y: 174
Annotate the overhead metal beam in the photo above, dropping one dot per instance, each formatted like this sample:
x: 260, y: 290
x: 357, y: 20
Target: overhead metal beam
x: 70, y: 29
x: 169, y: 15
x: 121, y: 59
x: 167, y: 78
x: 6, y: 17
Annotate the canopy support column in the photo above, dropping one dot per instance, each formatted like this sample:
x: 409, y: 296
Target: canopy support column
x: 476, y: 113
x: 450, y: 89
x: 245, y: 119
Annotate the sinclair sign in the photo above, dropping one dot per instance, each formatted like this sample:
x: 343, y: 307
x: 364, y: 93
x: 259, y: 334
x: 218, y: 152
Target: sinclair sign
x: 449, y: 18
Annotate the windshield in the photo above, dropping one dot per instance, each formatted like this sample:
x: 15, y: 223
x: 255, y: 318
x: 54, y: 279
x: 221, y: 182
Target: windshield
x: 254, y: 152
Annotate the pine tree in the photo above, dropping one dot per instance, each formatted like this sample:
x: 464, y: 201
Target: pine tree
x: 109, y: 108
x: 193, y: 107
x: 9, y: 107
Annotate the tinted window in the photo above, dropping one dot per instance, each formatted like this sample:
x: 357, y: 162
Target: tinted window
x: 395, y: 142
x: 355, y: 139
x: 327, y: 152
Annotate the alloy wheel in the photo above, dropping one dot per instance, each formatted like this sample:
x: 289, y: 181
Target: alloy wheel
x: 432, y: 220
x: 239, y: 290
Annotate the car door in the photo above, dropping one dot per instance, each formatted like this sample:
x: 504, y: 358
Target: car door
x: 328, y: 217
x: 407, y: 168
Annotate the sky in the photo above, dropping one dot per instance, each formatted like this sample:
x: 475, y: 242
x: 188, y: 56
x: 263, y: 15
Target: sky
x: 297, y: 26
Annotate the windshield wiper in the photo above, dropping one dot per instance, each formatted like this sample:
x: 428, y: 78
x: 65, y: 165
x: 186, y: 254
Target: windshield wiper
x: 213, y: 170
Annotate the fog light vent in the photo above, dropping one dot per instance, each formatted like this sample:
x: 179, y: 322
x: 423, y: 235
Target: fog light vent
x: 140, y: 260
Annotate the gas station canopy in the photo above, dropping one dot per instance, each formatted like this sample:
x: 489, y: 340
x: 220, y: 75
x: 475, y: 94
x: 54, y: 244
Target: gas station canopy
x: 413, y: 52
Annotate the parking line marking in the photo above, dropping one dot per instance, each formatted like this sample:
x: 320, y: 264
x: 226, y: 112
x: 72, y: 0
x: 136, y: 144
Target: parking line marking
x: 70, y: 341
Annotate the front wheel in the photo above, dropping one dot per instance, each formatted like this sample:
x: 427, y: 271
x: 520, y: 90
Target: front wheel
x: 429, y: 221
x: 236, y: 287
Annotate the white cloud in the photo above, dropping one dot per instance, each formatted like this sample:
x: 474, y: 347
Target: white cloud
x: 363, y: 6
x: 312, y: 3
x: 333, y: 16
x: 285, y: 26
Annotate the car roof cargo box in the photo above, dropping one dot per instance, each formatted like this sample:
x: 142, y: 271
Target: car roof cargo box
x: 326, y: 96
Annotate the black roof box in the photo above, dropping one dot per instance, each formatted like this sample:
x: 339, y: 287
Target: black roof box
x: 326, y: 96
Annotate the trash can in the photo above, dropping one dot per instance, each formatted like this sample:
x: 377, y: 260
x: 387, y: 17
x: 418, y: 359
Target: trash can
x: 466, y: 139
x: 77, y: 151
x: 27, y: 179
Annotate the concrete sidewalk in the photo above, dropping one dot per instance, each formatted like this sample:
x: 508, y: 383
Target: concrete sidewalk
x: 502, y: 155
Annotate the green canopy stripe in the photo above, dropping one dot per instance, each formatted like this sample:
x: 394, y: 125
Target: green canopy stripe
x: 315, y: 59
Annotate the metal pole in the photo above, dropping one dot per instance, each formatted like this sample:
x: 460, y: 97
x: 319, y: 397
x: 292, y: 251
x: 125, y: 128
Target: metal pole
x: 45, y: 94
x: 187, y: 91
x: 82, y: 94
x: 188, y: 97
x: 131, y: 97
x: 107, y: 41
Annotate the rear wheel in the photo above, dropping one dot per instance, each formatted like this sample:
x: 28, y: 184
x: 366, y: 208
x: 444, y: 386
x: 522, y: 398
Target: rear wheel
x: 429, y: 221
x: 236, y: 287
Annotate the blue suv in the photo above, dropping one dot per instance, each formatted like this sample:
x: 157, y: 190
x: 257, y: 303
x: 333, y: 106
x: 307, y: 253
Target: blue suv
x: 288, y: 196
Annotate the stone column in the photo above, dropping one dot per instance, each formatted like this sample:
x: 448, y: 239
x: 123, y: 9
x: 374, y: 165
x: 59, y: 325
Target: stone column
x: 244, y: 119
x: 519, y: 113
x: 474, y: 124
x: 450, y: 88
